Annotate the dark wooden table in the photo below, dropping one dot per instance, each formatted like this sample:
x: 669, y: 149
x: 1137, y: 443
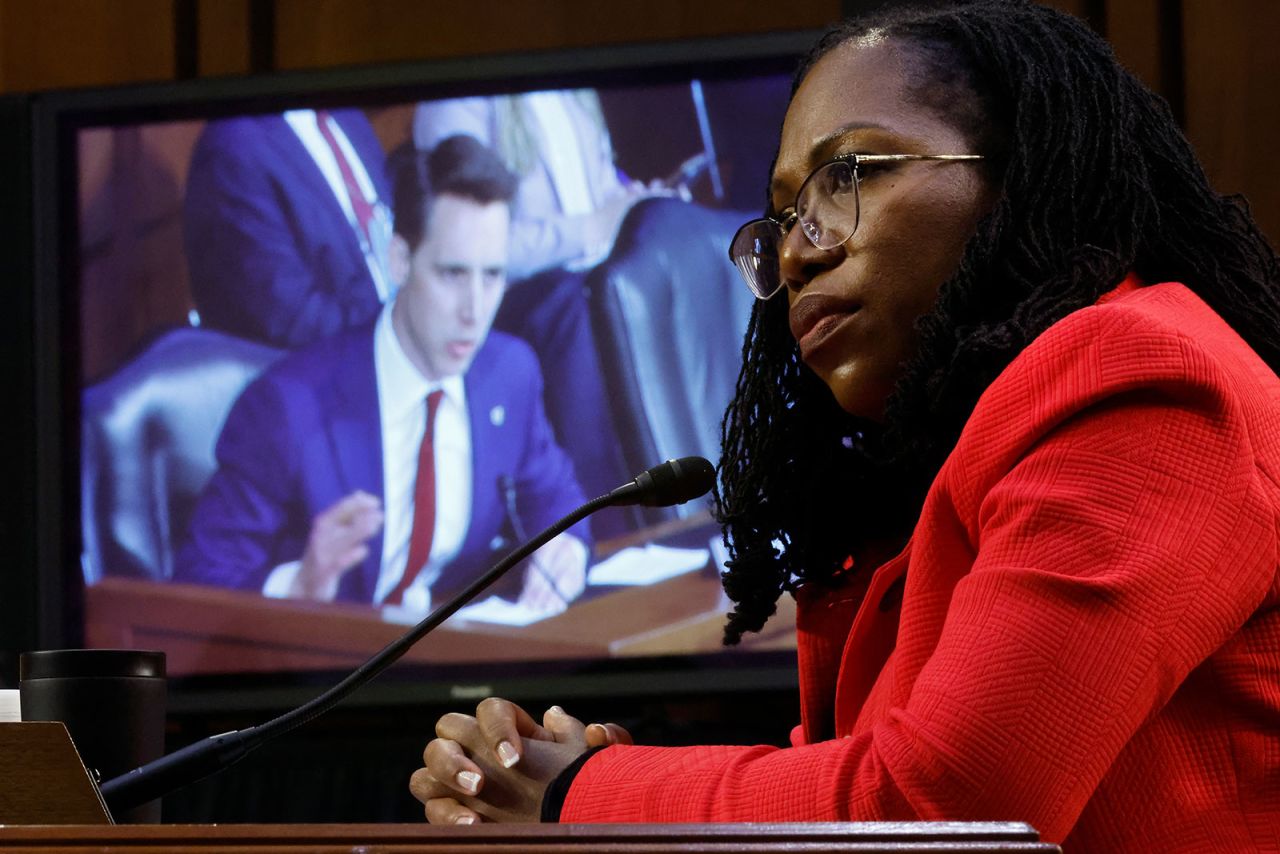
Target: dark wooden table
x: 898, y: 837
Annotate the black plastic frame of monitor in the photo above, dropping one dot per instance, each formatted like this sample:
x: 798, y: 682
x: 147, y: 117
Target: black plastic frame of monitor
x: 43, y: 608
x: 19, y: 595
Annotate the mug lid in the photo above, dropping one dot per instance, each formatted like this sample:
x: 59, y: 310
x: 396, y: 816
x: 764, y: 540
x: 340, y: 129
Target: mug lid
x: 68, y: 663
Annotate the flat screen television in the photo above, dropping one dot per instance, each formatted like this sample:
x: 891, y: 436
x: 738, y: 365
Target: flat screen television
x: 174, y: 268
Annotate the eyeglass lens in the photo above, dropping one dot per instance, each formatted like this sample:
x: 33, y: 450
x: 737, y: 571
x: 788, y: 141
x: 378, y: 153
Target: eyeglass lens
x: 827, y: 206
x: 755, y: 252
x: 826, y: 209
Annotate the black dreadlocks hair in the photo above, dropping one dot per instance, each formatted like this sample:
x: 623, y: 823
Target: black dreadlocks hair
x: 1097, y: 181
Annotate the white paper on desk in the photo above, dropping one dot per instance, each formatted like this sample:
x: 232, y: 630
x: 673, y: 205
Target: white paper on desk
x: 647, y: 565
x: 495, y: 609
x: 492, y: 610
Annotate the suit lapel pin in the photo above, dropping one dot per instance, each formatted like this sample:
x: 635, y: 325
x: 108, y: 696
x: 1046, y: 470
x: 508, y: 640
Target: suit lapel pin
x: 498, y: 415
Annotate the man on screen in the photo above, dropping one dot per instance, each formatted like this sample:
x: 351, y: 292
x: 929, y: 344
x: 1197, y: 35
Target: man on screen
x: 386, y: 464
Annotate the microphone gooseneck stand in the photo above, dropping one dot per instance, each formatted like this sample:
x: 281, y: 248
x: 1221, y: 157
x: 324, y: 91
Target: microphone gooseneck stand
x: 672, y: 482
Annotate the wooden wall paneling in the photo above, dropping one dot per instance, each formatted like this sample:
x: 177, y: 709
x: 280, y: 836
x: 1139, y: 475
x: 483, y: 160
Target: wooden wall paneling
x: 223, y: 37
x: 4, y: 5
x: 66, y: 43
x: 320, y: 33
x: 1232, y: 73
x: 1134, y: 28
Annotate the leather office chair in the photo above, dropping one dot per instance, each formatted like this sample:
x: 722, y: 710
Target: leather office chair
x: 669, y: 312
x: 147, y: 438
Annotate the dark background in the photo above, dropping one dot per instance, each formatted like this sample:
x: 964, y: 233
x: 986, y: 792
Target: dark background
x: 1214, y: 61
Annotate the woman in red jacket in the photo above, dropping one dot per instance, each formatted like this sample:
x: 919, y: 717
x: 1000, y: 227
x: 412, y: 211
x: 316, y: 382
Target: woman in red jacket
x: 1009, y: 430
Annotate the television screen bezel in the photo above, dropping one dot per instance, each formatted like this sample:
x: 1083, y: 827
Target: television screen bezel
x: 55, y: 594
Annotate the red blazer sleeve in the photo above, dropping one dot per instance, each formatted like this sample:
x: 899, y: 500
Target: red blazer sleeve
x: 1116, y: 551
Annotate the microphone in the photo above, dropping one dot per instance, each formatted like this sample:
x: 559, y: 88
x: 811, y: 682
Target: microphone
x: 672, y: 482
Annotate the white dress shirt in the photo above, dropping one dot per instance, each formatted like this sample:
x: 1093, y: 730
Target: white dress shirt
x: 402, y: 415
x: 402, y: 411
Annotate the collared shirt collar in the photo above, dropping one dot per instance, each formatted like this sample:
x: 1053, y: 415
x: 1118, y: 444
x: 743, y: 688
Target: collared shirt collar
x: 401, y: 374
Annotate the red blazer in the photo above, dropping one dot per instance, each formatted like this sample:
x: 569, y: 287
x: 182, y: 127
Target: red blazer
x: 1087, y: 638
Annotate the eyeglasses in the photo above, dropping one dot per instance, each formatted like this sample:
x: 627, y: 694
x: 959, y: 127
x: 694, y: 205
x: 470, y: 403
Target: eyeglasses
x: 827, y: 209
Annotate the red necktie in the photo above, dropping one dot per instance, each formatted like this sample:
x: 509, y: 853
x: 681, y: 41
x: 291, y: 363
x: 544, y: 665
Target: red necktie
x: 424, y: 505
x: 359, y: 204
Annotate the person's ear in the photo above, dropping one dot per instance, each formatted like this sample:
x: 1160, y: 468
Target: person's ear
x: 398, y: 260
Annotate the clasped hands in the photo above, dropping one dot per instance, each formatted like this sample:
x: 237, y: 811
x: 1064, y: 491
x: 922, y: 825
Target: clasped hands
x: 497, y: 765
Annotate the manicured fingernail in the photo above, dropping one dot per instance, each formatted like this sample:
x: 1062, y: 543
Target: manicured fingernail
x: 556, y: 710
x: 507, y: 753
x: 465, y: 819
x: 468, y: 780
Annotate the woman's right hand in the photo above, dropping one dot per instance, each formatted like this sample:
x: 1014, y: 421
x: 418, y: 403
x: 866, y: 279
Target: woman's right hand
x: 506, y: 726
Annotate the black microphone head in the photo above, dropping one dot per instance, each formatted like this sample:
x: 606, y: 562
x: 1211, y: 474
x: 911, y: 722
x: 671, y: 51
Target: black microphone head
x: 673, y: 482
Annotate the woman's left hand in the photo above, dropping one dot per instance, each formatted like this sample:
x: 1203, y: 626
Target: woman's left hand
x: 495, y: 766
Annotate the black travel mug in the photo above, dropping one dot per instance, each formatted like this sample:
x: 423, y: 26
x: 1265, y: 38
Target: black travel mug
x: 112, y: 702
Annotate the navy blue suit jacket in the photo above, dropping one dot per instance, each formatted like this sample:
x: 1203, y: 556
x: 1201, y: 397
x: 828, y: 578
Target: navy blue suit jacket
x: 306, y: 434
x: 271, y: 253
